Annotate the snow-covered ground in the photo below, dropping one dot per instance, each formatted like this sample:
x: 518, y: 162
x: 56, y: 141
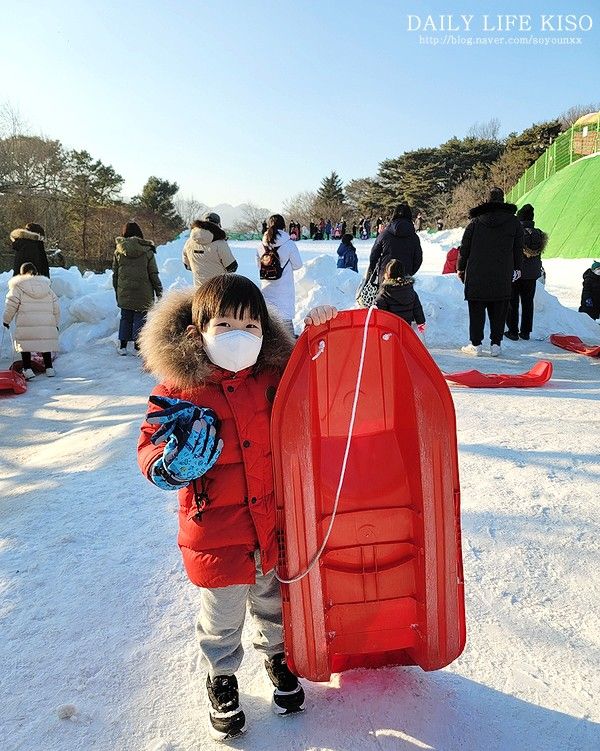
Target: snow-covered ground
x: 96, y: 616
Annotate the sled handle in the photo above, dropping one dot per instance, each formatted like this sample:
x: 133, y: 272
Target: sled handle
x: 348, y: 568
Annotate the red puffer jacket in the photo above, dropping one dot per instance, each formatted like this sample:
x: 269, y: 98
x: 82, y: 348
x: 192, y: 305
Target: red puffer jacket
x: 451, y: 261
x: 236, y: 496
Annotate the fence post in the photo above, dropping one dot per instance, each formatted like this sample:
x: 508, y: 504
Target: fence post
x: 571, y: 145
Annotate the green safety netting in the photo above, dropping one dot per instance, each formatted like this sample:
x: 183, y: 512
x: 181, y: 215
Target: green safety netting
x: 567, y: 208
x: 563, y: 186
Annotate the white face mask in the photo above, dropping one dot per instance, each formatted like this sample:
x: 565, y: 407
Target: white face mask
x: 597, y: 271
x: 233, y: 350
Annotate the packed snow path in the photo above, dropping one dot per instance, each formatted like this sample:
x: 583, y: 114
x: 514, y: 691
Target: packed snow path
x: 97, y: 616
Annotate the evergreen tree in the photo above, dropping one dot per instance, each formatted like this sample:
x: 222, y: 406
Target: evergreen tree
x: 89, y: 184
x: 157, y: 200
x: 331, y: 190
x: 365, y: 197
x: 413, y: 177
x: 424, y: 176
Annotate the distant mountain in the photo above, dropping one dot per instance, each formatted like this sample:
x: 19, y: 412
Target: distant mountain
x: 230, y: 215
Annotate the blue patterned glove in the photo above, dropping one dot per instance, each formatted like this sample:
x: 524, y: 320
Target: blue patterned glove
x: 175, y: 413
x: 191, y: 448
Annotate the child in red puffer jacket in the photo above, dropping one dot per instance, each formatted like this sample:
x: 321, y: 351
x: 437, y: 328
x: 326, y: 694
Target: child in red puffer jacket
x: 219, y: 355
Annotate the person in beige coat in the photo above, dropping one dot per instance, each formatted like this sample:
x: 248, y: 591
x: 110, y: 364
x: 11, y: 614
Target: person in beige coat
x: 34, y: 306
x: 206, y: 252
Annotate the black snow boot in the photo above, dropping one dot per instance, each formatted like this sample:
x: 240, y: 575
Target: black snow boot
x: 512, y: 335
x: 288, y: 696
x: 226, y: 718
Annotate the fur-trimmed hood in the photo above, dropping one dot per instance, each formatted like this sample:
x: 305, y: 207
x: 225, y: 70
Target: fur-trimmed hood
x: 528, y: 252
x: 403, y: 282
x: 174, y: 357
x: 25, y: 234
x: 33, y: 285
x: 496, y: 210
x: 134, y: 247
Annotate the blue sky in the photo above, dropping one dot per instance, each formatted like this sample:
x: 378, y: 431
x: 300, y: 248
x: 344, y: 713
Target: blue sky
x: 258, y: 100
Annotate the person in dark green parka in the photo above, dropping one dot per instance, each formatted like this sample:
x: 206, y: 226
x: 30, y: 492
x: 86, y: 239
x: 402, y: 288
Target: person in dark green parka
x: 136, y: 282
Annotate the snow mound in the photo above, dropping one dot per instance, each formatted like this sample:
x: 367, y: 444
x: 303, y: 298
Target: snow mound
x: 89, y: 312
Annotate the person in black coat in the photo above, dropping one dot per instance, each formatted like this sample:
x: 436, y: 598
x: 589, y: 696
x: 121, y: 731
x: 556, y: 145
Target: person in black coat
x: 397, y: 295
x: 534, y: 242
x: 399, y: 241
x: 28, y: 245
x: 590, y: 293
x: 491, y: 256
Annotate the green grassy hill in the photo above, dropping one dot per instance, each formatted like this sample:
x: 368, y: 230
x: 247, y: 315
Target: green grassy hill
x: 567, y: 208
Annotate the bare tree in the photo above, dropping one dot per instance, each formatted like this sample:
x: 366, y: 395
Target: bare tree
x: 189, y: 209
x: 465, y: 196
x: 301, y: 207
x: 252, y: 219
x: 11, y: 122
x: 568, y: 117
x: 485, y: 131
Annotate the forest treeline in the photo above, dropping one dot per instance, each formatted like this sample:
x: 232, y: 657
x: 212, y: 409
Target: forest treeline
x: 441, y: 182
x: 77, y: 198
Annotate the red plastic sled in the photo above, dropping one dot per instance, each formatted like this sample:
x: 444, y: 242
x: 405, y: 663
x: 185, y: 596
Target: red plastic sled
x: 37, y: 364
x: 10, y: 380
x: 574, y: 344
x: 388, y: 588
x: 475, y: 379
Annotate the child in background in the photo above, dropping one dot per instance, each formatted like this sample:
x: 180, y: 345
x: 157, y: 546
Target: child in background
x: 34, y: 306
x: 397, y: 295
x: 347, y: 254
x: 590, y: 293
x: 451, y: 261
x: 219, y: 355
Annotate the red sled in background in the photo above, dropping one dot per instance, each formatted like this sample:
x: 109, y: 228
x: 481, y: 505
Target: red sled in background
x: 535, y: 377
x: 388, y: 588
x: 575, y: 344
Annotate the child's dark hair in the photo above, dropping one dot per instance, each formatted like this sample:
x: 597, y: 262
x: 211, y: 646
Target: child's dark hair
x: 133, y: 229
x: 226, y: 295
x: 37, y: 228
x: 394, y: 269
x: 276, y: 224
x: 347, y: 238
x: 217, y: 232
x: 28, y: 268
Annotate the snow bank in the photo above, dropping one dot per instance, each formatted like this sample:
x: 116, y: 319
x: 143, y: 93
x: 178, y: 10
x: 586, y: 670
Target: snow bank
x: 89, y: 312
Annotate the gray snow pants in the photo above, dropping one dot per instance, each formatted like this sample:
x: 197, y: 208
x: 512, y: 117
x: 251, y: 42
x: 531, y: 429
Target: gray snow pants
x: 221, y: 620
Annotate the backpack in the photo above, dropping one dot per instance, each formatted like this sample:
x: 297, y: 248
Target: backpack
x: 270, y: 265
x: 533, y: 241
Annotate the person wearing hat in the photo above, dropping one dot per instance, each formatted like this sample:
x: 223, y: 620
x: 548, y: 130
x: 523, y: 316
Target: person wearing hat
x: 206, y: 252
x: 590, y: 294
x: 490, y: 260
x: 523, y: 290
x: 28, y: 245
